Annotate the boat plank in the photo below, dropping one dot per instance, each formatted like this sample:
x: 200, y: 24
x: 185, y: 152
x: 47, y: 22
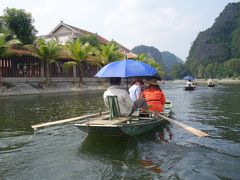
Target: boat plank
x: 108, y: 122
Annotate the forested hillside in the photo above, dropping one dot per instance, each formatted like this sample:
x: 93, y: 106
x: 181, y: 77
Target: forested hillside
x: 170, y: 60
x: 216, y: 51
x: 149, y: 51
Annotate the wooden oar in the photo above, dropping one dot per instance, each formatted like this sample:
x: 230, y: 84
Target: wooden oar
x: 67, y: 120
x: 186, y: 127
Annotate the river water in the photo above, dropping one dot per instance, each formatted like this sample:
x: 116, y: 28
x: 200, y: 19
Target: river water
x: 64, y: 152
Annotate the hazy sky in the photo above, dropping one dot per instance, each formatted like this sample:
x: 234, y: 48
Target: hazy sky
x: 169, y: 25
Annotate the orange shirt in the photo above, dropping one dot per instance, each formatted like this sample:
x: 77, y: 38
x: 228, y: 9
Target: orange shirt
x: 155, y: 100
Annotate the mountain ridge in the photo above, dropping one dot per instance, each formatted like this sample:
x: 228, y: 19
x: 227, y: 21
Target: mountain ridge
x: 165, y: 58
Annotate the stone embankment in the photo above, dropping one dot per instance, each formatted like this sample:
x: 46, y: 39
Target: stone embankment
x: 12, y: 87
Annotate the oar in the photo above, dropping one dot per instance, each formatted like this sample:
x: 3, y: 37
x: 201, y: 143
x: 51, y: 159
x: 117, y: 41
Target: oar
x: 67, y: 120
x: 186, y: 127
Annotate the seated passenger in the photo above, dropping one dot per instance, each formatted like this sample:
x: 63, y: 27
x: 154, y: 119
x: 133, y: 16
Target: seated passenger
x: 210, y: 81
x: 126, y: 105
x: 154, y: 96
x: 135, y: 89
x: 189, y: 83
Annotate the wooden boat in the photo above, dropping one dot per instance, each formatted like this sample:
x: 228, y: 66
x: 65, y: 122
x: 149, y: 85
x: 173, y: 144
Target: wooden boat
x: 131, y: 126
x: 210, y: 82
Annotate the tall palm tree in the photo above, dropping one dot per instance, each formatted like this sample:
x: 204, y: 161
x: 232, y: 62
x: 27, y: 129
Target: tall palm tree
x: 80, y: 53
x: 48, y: 52
x: 109, y: 53
x: 6, y: 48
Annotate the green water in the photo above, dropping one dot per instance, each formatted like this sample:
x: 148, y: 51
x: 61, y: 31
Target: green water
x: 64, y: 152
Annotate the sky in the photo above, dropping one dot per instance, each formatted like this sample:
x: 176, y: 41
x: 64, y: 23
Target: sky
x: 169, y: 25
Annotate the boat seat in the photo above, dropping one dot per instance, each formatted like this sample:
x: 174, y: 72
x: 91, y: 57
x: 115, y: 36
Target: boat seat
x: 113, y: 107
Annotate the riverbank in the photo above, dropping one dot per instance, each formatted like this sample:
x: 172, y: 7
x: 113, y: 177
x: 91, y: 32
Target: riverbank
x: 15, y: 88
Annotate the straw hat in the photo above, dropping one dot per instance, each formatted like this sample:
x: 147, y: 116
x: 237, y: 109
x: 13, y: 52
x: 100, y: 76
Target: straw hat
x: 153, y: 82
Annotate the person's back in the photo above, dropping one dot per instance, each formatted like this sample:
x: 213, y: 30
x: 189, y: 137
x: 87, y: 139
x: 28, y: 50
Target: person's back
x: 154, y: 97
x: 124, y: 100
x: 210, y: 81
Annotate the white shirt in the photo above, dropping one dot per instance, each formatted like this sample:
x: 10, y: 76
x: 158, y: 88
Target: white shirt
x: 124, y: 100
x: 134, y: 91
x: 189, y: 83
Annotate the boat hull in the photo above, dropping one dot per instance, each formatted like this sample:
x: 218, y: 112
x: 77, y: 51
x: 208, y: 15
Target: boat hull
x: 131, y: 126
x: 190, y: 88
x: 129, y: 129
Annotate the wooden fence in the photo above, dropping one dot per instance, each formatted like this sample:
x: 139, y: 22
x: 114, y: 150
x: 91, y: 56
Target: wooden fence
x: 32, y: 67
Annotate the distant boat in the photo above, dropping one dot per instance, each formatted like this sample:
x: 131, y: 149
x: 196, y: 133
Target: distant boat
x: 190, y: 86
x: 210, y: 82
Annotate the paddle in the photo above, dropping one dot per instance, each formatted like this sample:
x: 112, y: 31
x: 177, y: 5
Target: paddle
x: 67, y: 120
x: 186, y: 127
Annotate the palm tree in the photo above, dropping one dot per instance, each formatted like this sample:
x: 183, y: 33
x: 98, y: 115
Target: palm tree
x: 48, y: 52
x: 7, y: 44
x: 141, y: 57
x: 80, y: 53
x: 109, y: 53
x: 144, y: 58
x: 6, y: 48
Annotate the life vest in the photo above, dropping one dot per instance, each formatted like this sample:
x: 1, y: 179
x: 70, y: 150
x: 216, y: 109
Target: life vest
x: 155, y: 100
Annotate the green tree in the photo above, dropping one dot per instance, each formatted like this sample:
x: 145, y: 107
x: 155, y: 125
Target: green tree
x: 3, y: 27
x: 6, y: 48
x: 48, y: 52
x: 109, y: 53
x: 141, y: 57
x: 201, y: 71
x: 144, y: 58
x: 7, y: 45
x: 80, y: 54
x: 220, y: 73
x: 91, y: 39
x: 179, y: 71
x: 209, y: 70
x: 232, y: 67
x: 20, y: 23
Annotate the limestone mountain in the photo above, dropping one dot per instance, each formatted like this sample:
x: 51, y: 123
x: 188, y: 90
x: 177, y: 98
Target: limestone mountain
x: 170, y: 59
x: 220, y: 42
x: 149, y: 51
x: 164, y: 58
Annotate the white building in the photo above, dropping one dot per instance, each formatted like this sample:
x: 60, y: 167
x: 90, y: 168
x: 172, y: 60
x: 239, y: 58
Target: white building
x: 64, y: 32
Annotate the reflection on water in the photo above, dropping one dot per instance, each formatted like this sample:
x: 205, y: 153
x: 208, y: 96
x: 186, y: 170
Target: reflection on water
x: 64, y: 152
x: 18, y: 113
x: 110, y: 147
x: 125, y: 154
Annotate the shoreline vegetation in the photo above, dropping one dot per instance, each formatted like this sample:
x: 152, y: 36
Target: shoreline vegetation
x: 31, y: 88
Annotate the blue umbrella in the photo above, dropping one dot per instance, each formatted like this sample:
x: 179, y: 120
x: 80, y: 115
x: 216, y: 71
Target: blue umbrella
x: 126, y: 68
x: 189, y: 77
x: 155, y: 76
